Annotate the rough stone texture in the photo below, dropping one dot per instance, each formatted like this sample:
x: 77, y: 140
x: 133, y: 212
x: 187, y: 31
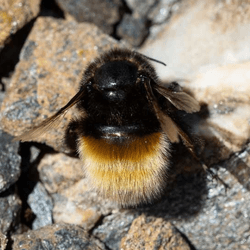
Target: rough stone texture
x: 14, y: 14
x: 41, y: 204
x: 9, y: 161
x: 113, y: 228
x: 59, y: 171
x: 57, y: 237
x: 206, y: 47
x: 45, y: 79
x: 10, y: 208
x: 141, y: 8
x: 225, y: 91
x: 132, y: 29
x: 224, y: 220
x: 150, y: 233
x: 201, y: 35
x: 85, y: 204
x: 3, y: 241
x: 74, y: 201
x: 89, y: 11
x: 163, y: 10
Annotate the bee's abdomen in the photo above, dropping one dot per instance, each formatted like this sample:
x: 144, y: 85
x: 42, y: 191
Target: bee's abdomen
x: 127, y: 169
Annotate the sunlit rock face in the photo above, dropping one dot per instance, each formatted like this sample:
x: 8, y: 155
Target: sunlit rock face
x: 206, y: 48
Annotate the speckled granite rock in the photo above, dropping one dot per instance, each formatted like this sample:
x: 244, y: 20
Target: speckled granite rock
x: 59, y: 171
x: 163, y: 10
x: 89, y: 11
x: 141, y: 7
x: 9, y: 161
x: 200, y: 36
x: 74, y: 201
x: 57, y: 237
x: 225, y: 91
x: 41, y: 204
x: 113, y: 228
x: 14, y: 15
x: 133, y: 29
x: 223, y: 222
x: 10, y: 209
x: 45, y: 79
x: 149, y: 233
x: 206, y: 48
x: 3, y: 241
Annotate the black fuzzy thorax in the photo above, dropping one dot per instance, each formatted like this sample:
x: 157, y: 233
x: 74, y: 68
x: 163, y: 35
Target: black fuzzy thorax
x: 130, y: 115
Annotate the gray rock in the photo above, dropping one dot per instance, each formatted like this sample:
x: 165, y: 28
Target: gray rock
x: 10, y: 209
x: 223, y: 222
x: 153, y: 233
x: 113, y: 228
x: 14, y: 15
x: 163, y: 10
x: 63, y: 179
x: 9, y: 161
x: 200, y: 36
x: 141, y: 8
x: 133, y: 30
x: 199, y: 47
x: 41, y: 205
x: 105, y: 14
x: 59, y: 237
x: 3, y: 241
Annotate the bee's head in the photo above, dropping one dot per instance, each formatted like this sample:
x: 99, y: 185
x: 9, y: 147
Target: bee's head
x: 115, y: 79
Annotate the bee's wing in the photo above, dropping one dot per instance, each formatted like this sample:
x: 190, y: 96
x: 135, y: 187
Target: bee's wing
x: 167, y: 124
x: 50, y: 122
x: 172, y: 130
x: 179, y: 99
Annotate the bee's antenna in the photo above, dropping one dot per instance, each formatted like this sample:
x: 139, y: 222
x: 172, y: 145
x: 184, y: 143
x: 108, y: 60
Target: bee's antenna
x: 152, y: 59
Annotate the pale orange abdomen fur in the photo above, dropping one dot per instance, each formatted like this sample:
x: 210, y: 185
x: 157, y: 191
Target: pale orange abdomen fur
x: 130, y: 173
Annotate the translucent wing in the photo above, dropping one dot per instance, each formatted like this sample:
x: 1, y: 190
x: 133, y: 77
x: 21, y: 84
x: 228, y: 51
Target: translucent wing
x: 179, y: 99
x: 51, y: 122
x: 167, y: 124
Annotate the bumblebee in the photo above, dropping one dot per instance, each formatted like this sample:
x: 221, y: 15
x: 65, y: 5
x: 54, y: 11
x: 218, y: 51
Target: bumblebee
x: 126, y: 126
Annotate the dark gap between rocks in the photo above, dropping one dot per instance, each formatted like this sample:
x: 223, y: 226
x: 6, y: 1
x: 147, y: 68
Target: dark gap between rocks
x: 50, y: 8
x: 29, y: 177
x: 9, y: 55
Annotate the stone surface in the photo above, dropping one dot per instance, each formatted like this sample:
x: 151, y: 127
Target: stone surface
x: 201, y: 35
x: 45, y: 79
x: 10, y: 209
x: 225, y: 93
x: 74, y: 201
x: 163, y: 10
x: 57, y: 237
x: 202, y: 53
x: 89, y: 11
x: 113, y: 228
x: 41, y: 204
x: 141, y: 8
x: 59, y: 171
x: 223, y: 222
x: 3, y: 241
x: 133, y: 30
x: 151, y: 233
x: 14, y: 15
x: 9, y: 161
